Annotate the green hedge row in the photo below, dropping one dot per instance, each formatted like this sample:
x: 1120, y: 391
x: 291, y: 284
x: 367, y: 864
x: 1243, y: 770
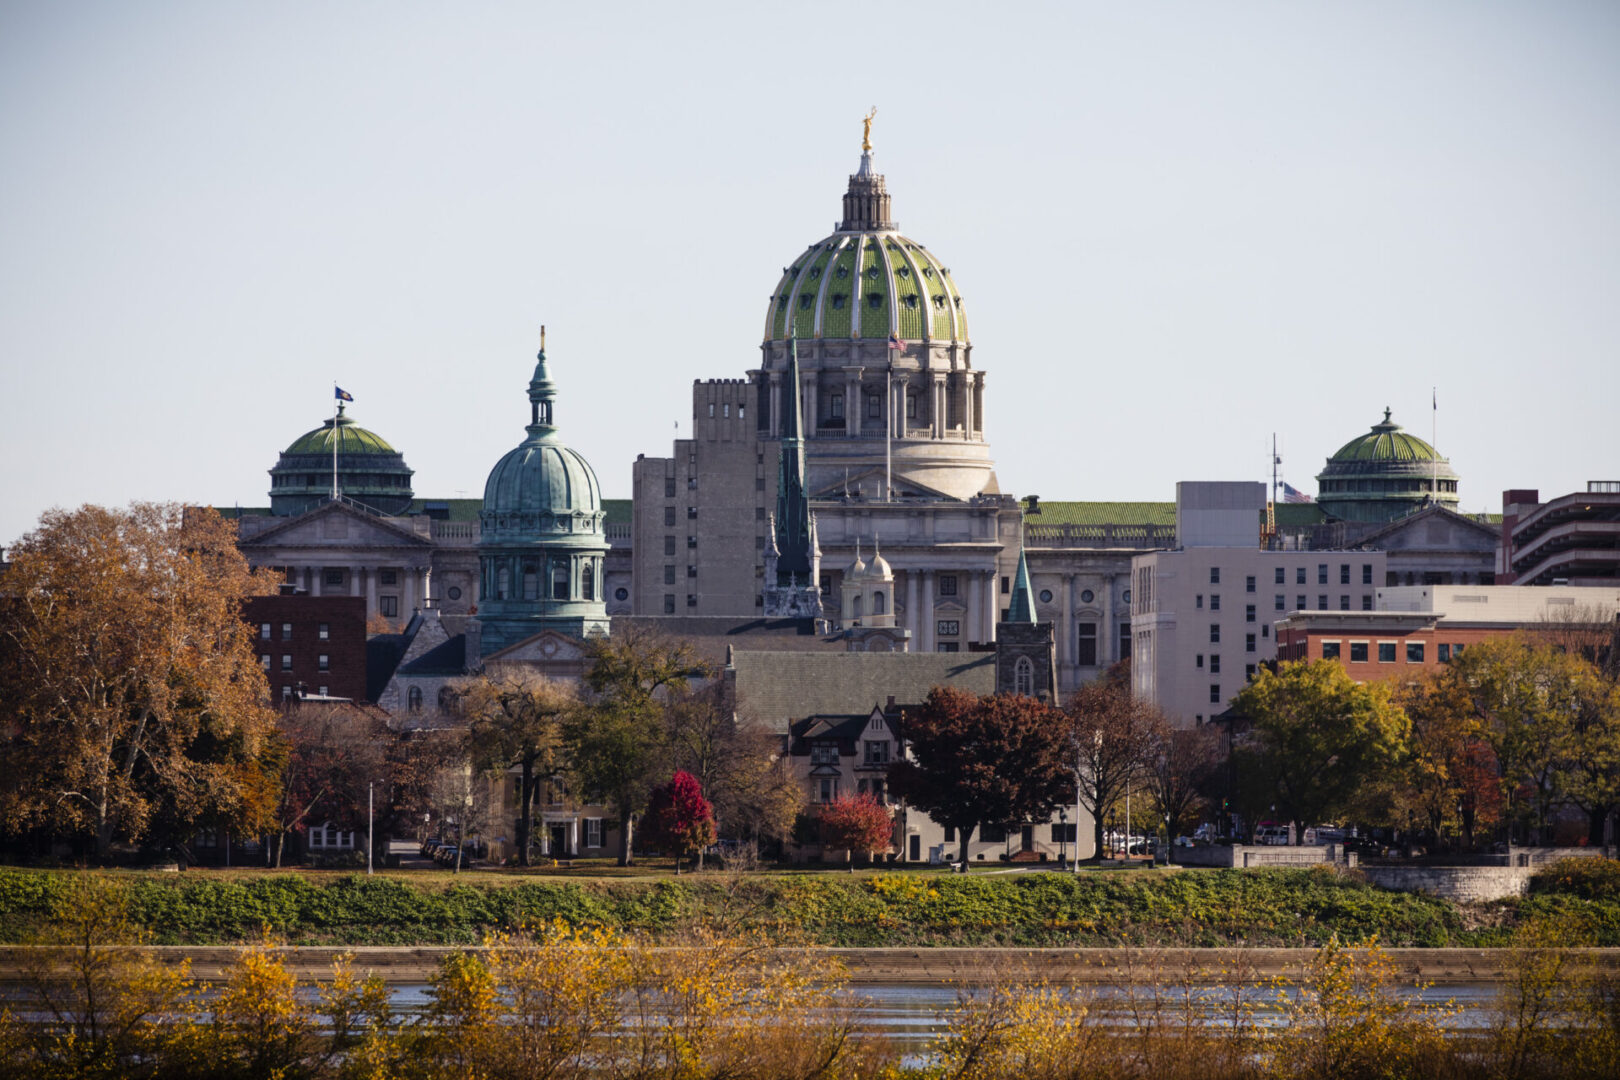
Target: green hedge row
x: 1191, y: 908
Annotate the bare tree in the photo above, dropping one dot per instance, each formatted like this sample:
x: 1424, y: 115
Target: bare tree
x: 1113, y: 740
x: 1183, y: 762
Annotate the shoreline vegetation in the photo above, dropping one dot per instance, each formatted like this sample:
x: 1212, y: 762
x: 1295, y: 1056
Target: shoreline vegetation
x: 555, y: 1000
x: 1271, y: 908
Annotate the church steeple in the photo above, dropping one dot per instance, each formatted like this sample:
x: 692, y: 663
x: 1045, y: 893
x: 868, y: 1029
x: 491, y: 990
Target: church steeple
x: 1022, y: 608
x: 542, y: 392
x: 793, y: 533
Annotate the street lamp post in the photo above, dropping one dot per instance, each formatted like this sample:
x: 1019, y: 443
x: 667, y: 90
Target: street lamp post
x: 1063, y: 838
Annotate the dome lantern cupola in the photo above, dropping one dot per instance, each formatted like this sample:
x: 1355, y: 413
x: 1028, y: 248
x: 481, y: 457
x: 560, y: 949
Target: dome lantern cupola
x: 1383, y: 475
x: 541, y: 540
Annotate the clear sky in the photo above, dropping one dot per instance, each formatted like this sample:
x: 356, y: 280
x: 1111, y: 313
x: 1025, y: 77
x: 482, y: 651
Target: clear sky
x: 1177, y: 228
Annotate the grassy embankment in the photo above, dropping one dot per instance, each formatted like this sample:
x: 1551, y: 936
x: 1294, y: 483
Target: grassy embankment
x: 1254, y: 908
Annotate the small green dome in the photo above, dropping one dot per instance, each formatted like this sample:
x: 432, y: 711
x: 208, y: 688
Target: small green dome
x: 351, y: 438
x: 866, y: 280
x: 1386, y: 442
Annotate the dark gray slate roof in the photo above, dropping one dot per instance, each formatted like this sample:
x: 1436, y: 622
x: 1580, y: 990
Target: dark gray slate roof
x: 774, y: 688
x: 445, y: 658
x: 383, y: 654
x: 710, y: 634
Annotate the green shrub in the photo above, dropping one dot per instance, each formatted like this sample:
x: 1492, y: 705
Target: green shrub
x: 1588, y: 878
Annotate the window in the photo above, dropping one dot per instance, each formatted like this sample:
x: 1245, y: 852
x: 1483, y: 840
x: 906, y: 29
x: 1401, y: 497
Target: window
x: 322, y: 691
x: 669, y: 516
x: 1198, y: 601
x: 264, y: 661
x: 1386, y: 652
x: 691, y: 571
x: 1248, y: 613
x: 286, y: 693
x: 1282, y: 576
x: 323, y: 631
x: 1215, y: 632
x: 950, y: 646
x: 829, y: 789
x: 1024, y: 677
x: 1442, y: 653
x: 691, y: 600
x: 1214, y: 663
x: 669, y: 545
x: 1456, y: 649
x: 1358, y: 652
x: 286, y: 661
x: 669, y: 487
x: 725, y: 410
x: 1063, y: 832
x: 1265, y: 631
x: 1366, y: 601
x: 1299, y: 575
x: 1214, y: 693
x: 587, y: 582
x: 1006, y: 586
x: 286, y: 631
x: 669, y: 604
x: 947, y: 584
x: 559, y: 583
x: 711, y: 410
x: 413, y: 700
x: 621, y: 593
x: 691, y: 542
x: 691, y: 513
x: 1248, y: 583
x: 1321, y: 573
x: 835, y: 406
x: 388, y: 606
x: 1330, y: 650
x: 264, y: 631
x: 877, y: 752
x: 1414, y: 652
x: 593, y: 832
x: 1214, y: 575
x: 878, y: 604
x: 1125, y: 641
x: 824, y: 754
x: 874, y: 407
x: 1087, y: 596
x: 334, y: 577
x: 669, y: 574
x: 1321, y: 602
x: 993, y: 834
x: 1248, y: 672
x: 1248, y: 643
x: 1086, y: 640
x: 948, y: 627
x: 1344, y: 573
x: 1198, y: 661
x: 1214, y: 601
x: 1344, y: 603
x: 323, y: 663
x: 911, y: 406
x: 1280, y: 603
x: 1366, y: 573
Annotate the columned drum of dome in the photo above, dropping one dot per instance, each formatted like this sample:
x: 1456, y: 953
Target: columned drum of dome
x: 541, y: 545
x: 369, y: 471
x: 1384, y: 475
x: 887, y: 379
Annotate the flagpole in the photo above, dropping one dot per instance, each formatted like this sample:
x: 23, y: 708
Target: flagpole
x: 335, y: 407
x: 888, y: 433
x: 1434, y: 431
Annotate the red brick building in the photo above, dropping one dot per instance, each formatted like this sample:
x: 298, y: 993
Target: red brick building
x: 310, y: 644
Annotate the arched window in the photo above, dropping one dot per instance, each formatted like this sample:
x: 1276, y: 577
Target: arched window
x: 447, y: 698
x: 877, y: 604
x: 855, y: 607
x: 587, y: 582
x: 531, y: 582
x: 414, y: 699
x: 502, y: 579
x: 1024, y: 677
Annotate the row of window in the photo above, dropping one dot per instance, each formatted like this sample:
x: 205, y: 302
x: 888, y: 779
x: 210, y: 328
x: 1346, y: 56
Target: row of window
x: 323, y: 662
x: 1388, y: 651
x: 323, y: 631
x: 1280, y: 575
x: 287, y: 691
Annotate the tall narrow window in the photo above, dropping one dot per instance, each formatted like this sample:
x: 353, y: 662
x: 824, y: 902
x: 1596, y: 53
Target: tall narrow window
x: 587, y: 582
x: 878, y: 607
x: 1024, y: 677
x: 559, y: 583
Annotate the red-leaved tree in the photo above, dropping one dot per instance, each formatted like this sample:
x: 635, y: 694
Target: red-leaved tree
x: 856, y: 824
x: 679, y: 818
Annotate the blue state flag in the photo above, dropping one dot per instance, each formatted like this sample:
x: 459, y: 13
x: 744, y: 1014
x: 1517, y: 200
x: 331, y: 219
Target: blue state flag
x: 342, y: 394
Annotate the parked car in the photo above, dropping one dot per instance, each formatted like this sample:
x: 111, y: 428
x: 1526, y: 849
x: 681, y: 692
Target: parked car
x: 1271, y: 834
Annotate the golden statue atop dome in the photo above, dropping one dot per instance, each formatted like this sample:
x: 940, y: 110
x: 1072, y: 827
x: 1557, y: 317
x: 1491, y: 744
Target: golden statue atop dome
x: 866, y: 131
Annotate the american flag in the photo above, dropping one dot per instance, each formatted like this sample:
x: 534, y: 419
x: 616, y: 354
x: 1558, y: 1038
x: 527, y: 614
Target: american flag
x: 896, y: 343
x: 1292, y: 494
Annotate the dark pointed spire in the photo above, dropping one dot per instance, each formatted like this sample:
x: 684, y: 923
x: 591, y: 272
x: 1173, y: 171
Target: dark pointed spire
x: 792, y: 519
x: 1022, y: 608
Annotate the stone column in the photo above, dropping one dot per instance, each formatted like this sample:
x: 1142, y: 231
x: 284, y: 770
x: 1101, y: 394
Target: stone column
x: 912, y: 622
x: 807, y: 422
x: 925, y: 615
x: 1110, y: 632
x: 407, y: 598
x: 938, y: 406
x: 854, y: 407
x: 320, y: 582
x: 992, y: 604
x: 970, y: 581
x: 573, y: 836
x: 776, y: 405
x: 371, y: 590
x: 967, y: 405
x: 1065, y: 635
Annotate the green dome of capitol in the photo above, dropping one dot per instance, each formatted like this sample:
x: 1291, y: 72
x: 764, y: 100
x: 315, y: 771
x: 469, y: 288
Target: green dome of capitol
x: 1383, y: 475
x: 369, y: 471
x: 866, y: 281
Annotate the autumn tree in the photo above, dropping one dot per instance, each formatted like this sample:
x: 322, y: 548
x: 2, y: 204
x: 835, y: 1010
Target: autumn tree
x: 679, y: 818
x: 856, y: 823
x: 1112, y: 739
x: 978, y: 761
x: 330, y: 753
x: 128, y: 676
x: 1181, y: 764
x: 739, y: 763
x: 514, y: 720
x: 616, y: 743
x: 1316, y: 737
x: 1450, y: 773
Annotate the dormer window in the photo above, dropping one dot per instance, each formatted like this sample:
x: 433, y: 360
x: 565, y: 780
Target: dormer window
x: 838, y: 299
x: 872, y: 272
x: 824, y: 754
x: 911, y: 300
x: 805, y: 300
x: 928, y: 271
x: 843, y: 271
x: 904, y: 271
x: 874, y: 300
x: 939, y: 301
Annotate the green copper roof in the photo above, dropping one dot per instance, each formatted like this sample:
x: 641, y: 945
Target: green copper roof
x: 352, y: 439
x: 1022, y: 607
x: 1103, y: 513
x: 1386, y: 442
x: 866, y: 285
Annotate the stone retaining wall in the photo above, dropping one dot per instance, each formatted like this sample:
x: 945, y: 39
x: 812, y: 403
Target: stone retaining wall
x: 1459, y: 884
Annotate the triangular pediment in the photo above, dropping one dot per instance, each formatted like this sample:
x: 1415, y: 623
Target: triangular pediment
x: 870, y: 481
x: 546, y: 647
x: 335, y: 525
x: 1434, y: 528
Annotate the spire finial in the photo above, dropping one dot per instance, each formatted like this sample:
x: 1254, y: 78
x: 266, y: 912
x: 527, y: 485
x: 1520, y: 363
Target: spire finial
x: 1386, y: 414
x: 542, y: 337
